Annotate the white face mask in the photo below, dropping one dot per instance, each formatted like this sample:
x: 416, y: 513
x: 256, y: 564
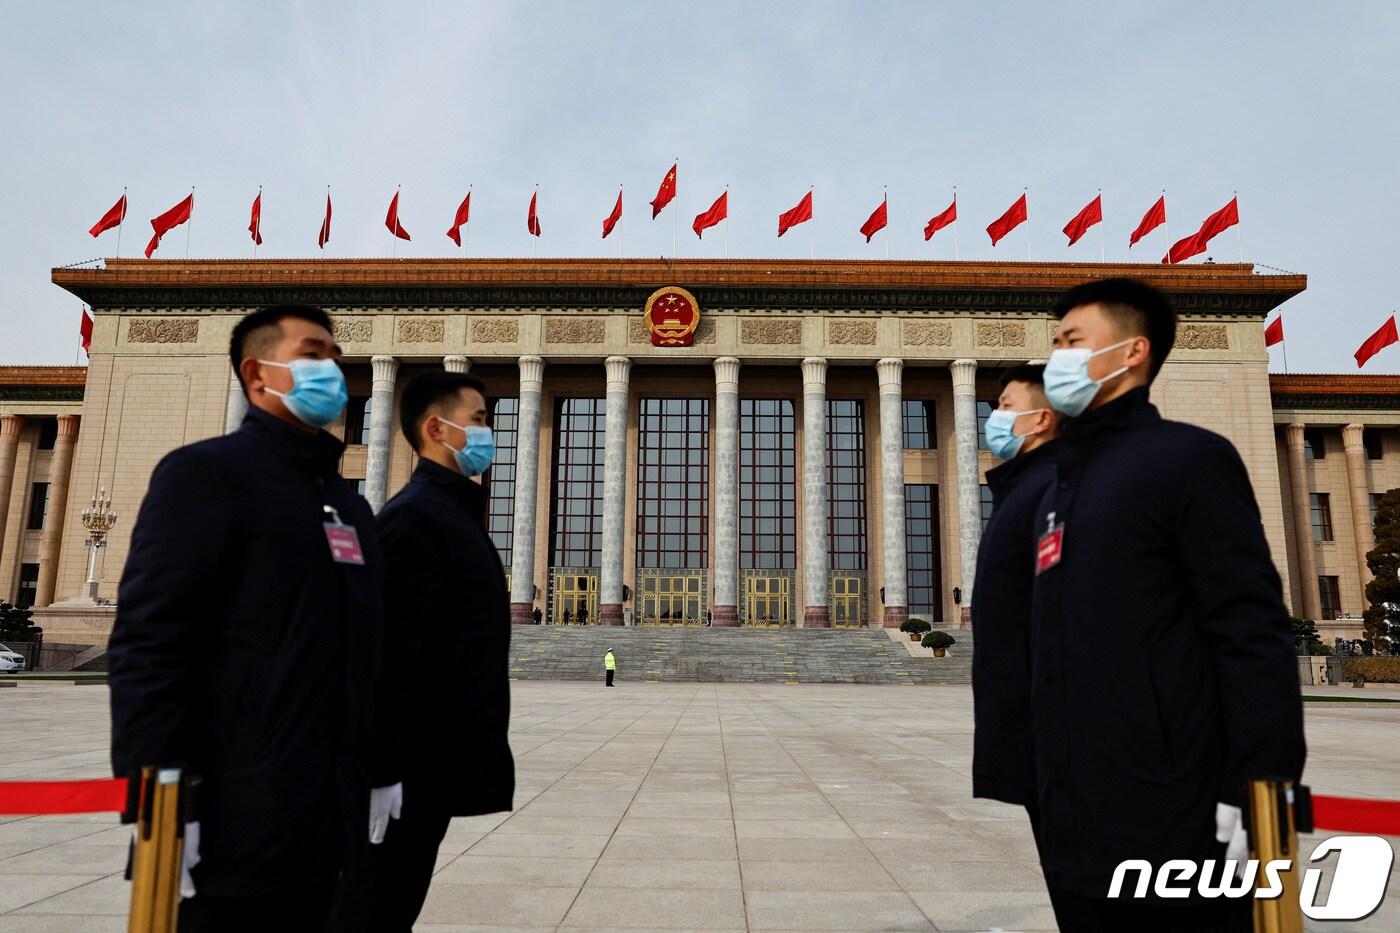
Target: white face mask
x: 1068, y: 386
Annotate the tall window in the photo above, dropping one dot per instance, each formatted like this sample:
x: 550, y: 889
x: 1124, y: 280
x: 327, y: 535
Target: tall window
x: 673, y: 483
x: 1314, y: 444
x: 845, y: 464
x: 767, y: 485
x: 38, y: 505
x: 48, y: 433
x: 920, y: 424
x: 921, y: 551
x: 500, y: 479
x: 1322, y: 516
x: 577, y: 516
x: 357, y: 420
x: 1330, y: 597
x: 1371, y: 440
x: 985, y: 493
x: 28, y: 586
x: 985, y: 407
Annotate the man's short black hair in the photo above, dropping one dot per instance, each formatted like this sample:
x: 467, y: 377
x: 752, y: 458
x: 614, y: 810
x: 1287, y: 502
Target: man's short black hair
x: 1137, y: 308
x: 425, y: 393
x: 1028, y: 373
x: 259, y: 329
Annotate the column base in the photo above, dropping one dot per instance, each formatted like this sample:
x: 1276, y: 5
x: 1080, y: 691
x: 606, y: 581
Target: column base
x: 610, y: 614
x: 895, y: 616
x: 816, y: 617
x: 725, y: 616
x: 522, y: 614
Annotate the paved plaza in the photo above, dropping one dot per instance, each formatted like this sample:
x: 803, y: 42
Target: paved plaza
x: 675, y: 806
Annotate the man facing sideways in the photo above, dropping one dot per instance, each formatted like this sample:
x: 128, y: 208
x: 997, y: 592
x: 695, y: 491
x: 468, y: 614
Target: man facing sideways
x: 447, y: 641
x: 1149, y: 544
x: 246, y: 643
x: 609, y: 668
x: 1022, y: 433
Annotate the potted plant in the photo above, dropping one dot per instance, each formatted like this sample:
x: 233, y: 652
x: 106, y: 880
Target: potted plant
x: 939, y: 642
x: 914, y: 628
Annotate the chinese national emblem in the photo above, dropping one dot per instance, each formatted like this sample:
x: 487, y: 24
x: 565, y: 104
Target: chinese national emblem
x: 672, y: 314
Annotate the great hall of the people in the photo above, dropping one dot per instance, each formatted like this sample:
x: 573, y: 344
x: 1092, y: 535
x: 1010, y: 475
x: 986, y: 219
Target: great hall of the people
x: 804, y: 448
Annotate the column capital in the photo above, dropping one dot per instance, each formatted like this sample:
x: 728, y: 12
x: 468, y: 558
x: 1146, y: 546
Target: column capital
x: 891, y: 376
x: 67, y: 428
x: 531, y: 373
x: 384, y: 368
x: 726, y: 374
x: 618, y: 369
x: 9, y: 427
x: 814, y: 374
x: 456, y: 363
x: 964, y: 376
x: 1352, y: 436
x: 1295, y: 430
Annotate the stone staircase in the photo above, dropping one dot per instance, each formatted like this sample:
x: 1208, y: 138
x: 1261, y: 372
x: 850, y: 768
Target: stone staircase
x: 726, y: 655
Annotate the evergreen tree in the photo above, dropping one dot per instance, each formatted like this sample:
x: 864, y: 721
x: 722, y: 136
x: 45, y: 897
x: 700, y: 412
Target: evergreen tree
x: 1383, y: 592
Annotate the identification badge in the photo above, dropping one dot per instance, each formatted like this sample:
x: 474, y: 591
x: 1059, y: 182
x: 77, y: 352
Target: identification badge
x: 1050, y: 546
x: 345, y: 543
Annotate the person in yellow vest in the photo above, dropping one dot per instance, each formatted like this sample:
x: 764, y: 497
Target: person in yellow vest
x: 609, y: 667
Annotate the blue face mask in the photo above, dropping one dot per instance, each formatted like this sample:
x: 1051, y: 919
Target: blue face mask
x: 1067, y: 384
x: 477, y: 453
x: 318, y: 393
x: 1002, y: 438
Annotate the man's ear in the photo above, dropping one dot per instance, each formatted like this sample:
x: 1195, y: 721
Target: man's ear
x: 249, y: 370
x: 1140, y: 353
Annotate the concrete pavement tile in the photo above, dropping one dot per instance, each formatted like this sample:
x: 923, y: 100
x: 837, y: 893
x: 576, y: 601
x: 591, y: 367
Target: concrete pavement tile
x: 793, y: 829
x: 859, y: 875
x: 61, y: 923
x: 843, y: 910
x: 71, y: 894
x: 646, y: 826
x: 541, y: 845
x: 955, y: 878
x: 558, y: 825
x: 497, y: 906
x: 1008, y: 910
x: 625, y: 908
x: 805, y: 850
x: 66, y: 860
x: 688, y: 848
x: 517, y: 870
x: 661, y: 874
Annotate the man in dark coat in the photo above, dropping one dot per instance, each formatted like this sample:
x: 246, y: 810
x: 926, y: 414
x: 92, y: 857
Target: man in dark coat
x: 1022, y: 433
x: 447, y: 641
x: 246, y: 643
x: 1163, y: 674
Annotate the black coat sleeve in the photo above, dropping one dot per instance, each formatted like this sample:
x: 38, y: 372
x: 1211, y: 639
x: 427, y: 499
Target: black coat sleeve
x: 1239, y: 602
x: 168, y: 598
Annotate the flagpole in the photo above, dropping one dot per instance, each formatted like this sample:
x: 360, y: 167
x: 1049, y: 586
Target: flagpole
x: 1166, y: 227
x: 811, y: 189
x: 1283, y: 345
x: 1025, y: 193
x: 394, y: 232
x: 190, y: 226
x: 1239, y: 227
x: 887, y: 221
x: 1101, y: 259
x: 726, y: 223
x: 257, y: 226
x: 619, y: 226
x: 125, y: 205
x: 467, y: 239
x: 535, y: 240
x: 674, y: 210
x: 957, y: 256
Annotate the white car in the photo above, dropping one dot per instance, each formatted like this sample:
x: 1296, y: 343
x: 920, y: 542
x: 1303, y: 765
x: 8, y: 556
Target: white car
x: 10, y: 661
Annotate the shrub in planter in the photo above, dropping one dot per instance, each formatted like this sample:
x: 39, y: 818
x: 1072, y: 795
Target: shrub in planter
x: 940, y: 642
x: 914, y: 627
x: 1376, y: 670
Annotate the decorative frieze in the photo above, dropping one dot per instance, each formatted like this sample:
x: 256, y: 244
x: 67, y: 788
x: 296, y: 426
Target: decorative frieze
x: 419, y: 330
x: 770, y: 332
x: 1203, y: 337
x: 157, y: 330
x: 496, y: 331
x: 928, y: 333
x: 353, y: 331
x: 575, y: 330
x: 1001, y: 334
x: 858, y: 333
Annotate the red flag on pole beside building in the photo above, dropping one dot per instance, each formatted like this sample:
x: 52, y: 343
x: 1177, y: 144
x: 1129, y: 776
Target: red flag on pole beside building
x: 941, y: 220
x: 532, y: 221
x: 113, y: 218
x: 463, y: 215
x: 1015, y: 216
x: 877, y: 220
x: 798, y: 215
x: 1156, y: 216
x: 1274, y: 332
x: 666, y: 193
x: 391, y: 220
x: 168, y: 221
x: 325, y: 236
x: 718, y: 211
x: 1377, y: 342
x: 255, y: 222
x: 611, y: 220
x: 85, y: 330
x: 1196, y: 243
x: 1090, y: 215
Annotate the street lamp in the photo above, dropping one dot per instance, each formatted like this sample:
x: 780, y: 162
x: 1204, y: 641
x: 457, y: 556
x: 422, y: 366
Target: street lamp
x: 98, y: 519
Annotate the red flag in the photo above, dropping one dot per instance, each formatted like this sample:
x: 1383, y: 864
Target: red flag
x: 255, y: 223
x: 1196, y: 243
x: 1274, y: 332
x: 718, y: 211
x: 85, y: 330
x: 877, y: 220
x: 113, y: 218
x: 169, y: 221
x: 325, y: 236
x: 464, y: 211
x: 1092, y: 214
x: 666, y: 193
x: 1156, y: 216
x: 1377, y: 342
x: 391, y: 220
x: 798, y: 215
x: 532, y: 222
x: 611, y: 220
x: 941, y: 221
x: 1015, y: 216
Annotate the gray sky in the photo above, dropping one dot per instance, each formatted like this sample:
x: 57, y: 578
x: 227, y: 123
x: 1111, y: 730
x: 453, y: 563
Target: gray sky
x: 1294, y: 105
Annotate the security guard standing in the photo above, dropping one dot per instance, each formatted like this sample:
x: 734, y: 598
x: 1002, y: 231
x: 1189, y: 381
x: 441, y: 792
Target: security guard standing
x: 246, y: 642
x: 609, y: 668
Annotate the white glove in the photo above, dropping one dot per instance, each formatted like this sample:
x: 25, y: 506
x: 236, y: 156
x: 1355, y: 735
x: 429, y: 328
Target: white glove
x: 190, y: 858
x: 385, y: 803
x: 1229, y: 829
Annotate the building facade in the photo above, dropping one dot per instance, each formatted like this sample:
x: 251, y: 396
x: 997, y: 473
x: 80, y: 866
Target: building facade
x: 813, y: 457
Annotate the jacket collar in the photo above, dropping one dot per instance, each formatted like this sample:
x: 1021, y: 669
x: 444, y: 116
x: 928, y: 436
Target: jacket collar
x: 1129, y: 410
x: 317, y: 451
x: 1003, y: 479
x: 461, y: 489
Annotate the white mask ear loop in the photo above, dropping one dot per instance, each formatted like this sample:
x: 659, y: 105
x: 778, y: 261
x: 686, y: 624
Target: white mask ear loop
x: 1028, y: 411
x: 1117, y: 372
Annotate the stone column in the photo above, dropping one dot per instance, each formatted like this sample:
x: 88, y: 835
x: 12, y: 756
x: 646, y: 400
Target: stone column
x: 9, y: 445
x: 381, y: 425
x: 892, y: 485
x: 237, y: 404
x: 1302, y: 525
x: 1360, y: 491
x: 614, y: 491
x: 59, y: 469
x: 527, y: 477
x: 726, y: 526
x: 815, y: 533
x: 969, y: 491
x: 456, y: 364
